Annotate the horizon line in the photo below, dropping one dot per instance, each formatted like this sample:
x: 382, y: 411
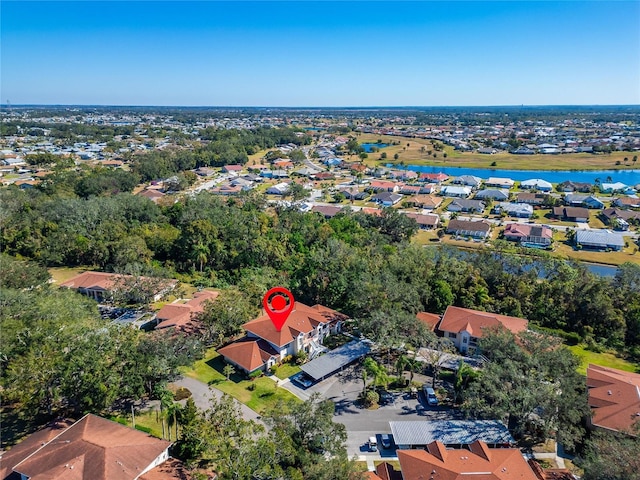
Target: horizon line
x: 103, y: 105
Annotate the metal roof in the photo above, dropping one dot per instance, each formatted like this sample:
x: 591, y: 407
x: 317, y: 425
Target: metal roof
x: 450, y: 432
x: 336, y: 359
x: 599, y: 237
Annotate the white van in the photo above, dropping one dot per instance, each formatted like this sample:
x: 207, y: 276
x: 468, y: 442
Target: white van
x: 430, y: 395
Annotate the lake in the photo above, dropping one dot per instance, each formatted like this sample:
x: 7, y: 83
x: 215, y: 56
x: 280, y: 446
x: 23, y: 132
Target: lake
x: 368, y: 146
x: 628, y: 177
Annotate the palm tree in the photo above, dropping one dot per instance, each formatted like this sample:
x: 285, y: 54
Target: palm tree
x: 202, y: 254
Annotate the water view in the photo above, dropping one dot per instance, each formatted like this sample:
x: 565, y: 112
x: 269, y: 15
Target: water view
x: 368, y: 147
x: 628, y: 177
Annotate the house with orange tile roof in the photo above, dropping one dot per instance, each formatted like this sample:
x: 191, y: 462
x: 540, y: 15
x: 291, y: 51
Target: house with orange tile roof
x: 264, y: 346
x: 181, y: 315
x: 614, y: 398
x: 465, y: 326
x: 478, y: 460
x: 89, y: 449
x: 101, y: 285
x: 431, y: 320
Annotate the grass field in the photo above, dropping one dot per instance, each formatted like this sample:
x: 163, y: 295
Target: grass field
x: 265, y: 395
x: 412, y: 154
x: 62, y: 274
x: 286, y: 370
x: 602, y: 359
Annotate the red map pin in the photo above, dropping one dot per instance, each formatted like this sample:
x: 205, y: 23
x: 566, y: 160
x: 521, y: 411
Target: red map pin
x: 278, y: 302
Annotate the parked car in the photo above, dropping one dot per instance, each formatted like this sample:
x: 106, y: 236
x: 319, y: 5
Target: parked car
x: 430, y: 395
x: 302, y: 380
x: 385, y: 440
x: 385, y: 397
x: 373, y: 444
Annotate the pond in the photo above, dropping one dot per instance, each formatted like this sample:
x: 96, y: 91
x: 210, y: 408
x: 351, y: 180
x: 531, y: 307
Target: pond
x: 368, y: 147
x: 628, y: 177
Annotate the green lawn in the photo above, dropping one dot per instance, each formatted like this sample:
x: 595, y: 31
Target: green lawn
x: 601, y: 359
x: 265, y: 395
x: 286, y: 370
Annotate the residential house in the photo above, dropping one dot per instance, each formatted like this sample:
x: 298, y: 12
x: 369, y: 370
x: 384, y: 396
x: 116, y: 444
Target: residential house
x: 532, y: 198
x: 572, y: 214
x: 426, y: 202
x: 153, y: 195
x: 431, y: 320
x: 487, y: 151
x: 521, y: 210
x: 453, y: 191
x: 278, y: 189
x: 181, y: 316
x: 427, y: 221
x: 615, y: 188
x: 264, y: 346
x: 618, y: 217
x: 599, y: 240
x: 283, y: 164
x: 387, y: 199
x: 588, y: 201
x: 352, y: 193
x: 499, y: 182
x: 468, y: 180
x: 327, y: 211
x: 433, y: 177
x: 466, y: 228
x: 523, y: 151
x: 627, y: 202
x: 227, y: 189
x: 536, y: 184
x: 101, y: 286
x: 570, y: 186
x: 89, y: 449
x: 535, y: 235
x: 232, y: 169
x: 478, y: 461
x: 463, y: 205
x: 429, y: 188
x: 493, y: 194
x: 410, y: 189
x: 383, y: 186
x: 614, y: 398
x: 464, y: 326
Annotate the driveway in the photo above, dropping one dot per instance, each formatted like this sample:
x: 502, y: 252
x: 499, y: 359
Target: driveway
x: 202, y: 394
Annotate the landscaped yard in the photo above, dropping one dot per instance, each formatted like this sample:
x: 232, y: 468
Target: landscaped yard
x: 62, y: 274
x: 286, y: 370
x: 601, y: 359
x: 265, y: 395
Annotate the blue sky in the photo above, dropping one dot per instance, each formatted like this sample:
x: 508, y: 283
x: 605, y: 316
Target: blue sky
x: 323, y: 53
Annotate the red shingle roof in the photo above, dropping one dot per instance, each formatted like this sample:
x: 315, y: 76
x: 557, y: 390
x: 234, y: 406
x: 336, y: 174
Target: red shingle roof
x: 480, y: 461
x: 94, y: 448
x: 249, y: 353
x: 180, y: 314
x: 614, y: 397
x: 303, y: 319
x: 457, y: 319
x: 430, y: 319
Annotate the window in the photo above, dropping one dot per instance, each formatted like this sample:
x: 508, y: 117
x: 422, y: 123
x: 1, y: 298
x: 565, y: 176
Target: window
x: 464, y: 339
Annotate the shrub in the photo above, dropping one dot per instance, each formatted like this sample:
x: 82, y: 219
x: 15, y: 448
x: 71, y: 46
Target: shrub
x: 143, y: 429
x: 256, y: 374
x: 181, y: 394
x: 251, y: 387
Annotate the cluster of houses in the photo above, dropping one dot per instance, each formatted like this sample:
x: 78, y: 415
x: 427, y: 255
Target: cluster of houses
x: 446, y: 449
x: 520, y: 138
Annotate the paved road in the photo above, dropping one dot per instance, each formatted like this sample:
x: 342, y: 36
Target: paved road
x: 343, y: 389
x: 202, y: 394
